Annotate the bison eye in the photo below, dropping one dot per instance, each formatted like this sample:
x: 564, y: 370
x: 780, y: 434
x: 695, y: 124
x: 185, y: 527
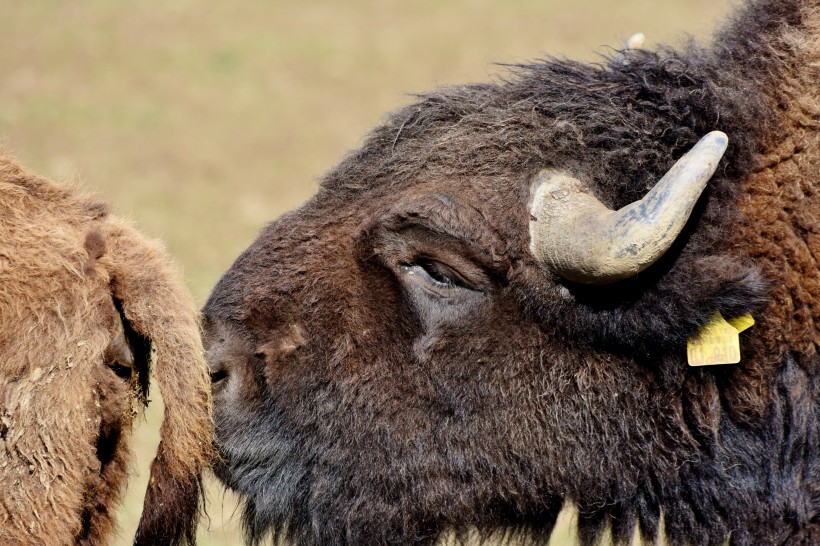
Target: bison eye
x: 435, y: 274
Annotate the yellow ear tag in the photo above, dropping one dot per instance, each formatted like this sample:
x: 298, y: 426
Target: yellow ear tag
x: 718, y: 342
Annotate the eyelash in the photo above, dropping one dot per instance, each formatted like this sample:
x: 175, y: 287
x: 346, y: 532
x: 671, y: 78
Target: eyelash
x: 435, y: 274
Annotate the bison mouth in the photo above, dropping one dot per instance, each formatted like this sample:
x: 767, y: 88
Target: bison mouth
x: 221, y: 468
x: 269, y: 472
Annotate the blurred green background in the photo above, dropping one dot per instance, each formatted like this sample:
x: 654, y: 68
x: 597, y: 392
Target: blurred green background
x: 201, y: 121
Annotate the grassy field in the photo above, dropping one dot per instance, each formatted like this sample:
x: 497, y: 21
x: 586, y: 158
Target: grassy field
x: 202, y: 121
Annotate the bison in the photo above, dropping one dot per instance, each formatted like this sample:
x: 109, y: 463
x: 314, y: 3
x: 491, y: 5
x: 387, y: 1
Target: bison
x: 86, y: 304
x: 483, y: 313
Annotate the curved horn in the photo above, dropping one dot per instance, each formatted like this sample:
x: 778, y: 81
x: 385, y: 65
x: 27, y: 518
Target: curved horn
x: 577, y: 237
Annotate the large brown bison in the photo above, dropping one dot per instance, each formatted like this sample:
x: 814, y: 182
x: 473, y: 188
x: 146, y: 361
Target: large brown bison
x: 458, y: 334
x: 85, y: 301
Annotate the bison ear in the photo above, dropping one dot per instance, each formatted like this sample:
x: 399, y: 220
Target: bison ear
x: 657, y: 311
x: 162, y: 326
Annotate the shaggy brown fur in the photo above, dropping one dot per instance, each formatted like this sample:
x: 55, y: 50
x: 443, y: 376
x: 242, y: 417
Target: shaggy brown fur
x: 84, y: 301
x: 390, y: 361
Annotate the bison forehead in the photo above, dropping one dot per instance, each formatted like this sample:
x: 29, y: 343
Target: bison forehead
x: 323, y: 240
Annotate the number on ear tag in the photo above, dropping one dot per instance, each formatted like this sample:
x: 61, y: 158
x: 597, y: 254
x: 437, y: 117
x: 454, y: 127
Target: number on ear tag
x: 718, y: 342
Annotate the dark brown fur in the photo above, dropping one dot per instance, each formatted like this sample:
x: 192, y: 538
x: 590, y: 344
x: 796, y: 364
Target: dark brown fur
x: 358, y: 403
x: 84, y: 299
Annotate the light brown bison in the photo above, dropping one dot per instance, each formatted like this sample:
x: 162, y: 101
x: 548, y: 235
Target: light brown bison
x: 85, y: 301
x: 483, y: 315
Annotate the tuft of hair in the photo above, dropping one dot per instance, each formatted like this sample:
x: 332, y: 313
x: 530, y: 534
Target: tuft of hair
x: 159, y: 309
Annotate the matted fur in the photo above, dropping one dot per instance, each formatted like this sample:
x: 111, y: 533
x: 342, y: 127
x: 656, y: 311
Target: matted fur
x: 357, y: 408
x: 68, y: 271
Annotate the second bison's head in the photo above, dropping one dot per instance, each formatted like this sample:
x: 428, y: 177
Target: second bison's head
x: 458, y: 331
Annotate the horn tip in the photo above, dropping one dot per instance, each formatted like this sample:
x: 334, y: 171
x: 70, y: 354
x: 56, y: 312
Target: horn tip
x: 719, y: 138
x: 636, y: 41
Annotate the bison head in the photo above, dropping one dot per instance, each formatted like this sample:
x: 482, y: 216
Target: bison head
x: 458, y: 332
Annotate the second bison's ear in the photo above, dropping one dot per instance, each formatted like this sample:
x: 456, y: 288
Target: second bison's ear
x: 162, y: 326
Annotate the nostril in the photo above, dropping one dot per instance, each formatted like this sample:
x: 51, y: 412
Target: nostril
x: 218, y: 375
x: 226, y: 352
